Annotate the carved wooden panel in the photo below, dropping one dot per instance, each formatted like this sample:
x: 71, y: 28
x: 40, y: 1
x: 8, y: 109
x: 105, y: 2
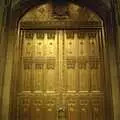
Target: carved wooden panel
x: 50, y: 107
x: 39, y: 50
x: 70, y: 74
x: 84, y: 105
x: 62, y: 76
x: 70, y: 43
x: 98, y: 112
x: 39, y: 43
x: 27, y: 76
x: 95, y: 74
x: 83, y: 44
x: 23, y: 108
x: 70, y: 53
x: 51, y: 75
x: 38, y: 76
x: 84, y: 83
x: 36, y: 107
x: 51, y: 44
x: 72, y: 57
x: 73, y: 109
x: 28, y: 45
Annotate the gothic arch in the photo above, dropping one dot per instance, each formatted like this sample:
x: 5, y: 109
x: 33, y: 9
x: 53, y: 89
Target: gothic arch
x: 21, y: 7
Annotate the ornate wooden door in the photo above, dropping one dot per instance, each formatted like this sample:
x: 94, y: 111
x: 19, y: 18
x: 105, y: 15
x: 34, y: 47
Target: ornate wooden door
x: 61, y: 75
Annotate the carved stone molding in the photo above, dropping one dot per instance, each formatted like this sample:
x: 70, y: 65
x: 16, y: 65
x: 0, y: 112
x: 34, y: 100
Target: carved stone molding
x: 59, y: 24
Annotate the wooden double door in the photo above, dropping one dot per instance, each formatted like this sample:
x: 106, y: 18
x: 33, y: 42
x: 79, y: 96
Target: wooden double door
x: 61, y: 75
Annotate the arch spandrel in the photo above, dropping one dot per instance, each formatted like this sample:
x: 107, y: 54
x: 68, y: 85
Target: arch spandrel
x: 20, y: 7
x: 65, y: 16
x: 73, y: 12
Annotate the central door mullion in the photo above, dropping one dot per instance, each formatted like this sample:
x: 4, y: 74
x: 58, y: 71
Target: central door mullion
x: 60, y: 66
x: 60, y: 60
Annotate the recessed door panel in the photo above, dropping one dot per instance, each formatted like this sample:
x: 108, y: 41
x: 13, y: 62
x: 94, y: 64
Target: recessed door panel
x: 84, y: 109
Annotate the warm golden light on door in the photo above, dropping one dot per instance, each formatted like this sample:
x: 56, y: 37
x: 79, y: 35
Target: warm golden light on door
x: 61, y: 75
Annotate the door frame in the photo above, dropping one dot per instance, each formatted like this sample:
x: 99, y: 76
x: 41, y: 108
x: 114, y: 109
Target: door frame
x: 63, y: 32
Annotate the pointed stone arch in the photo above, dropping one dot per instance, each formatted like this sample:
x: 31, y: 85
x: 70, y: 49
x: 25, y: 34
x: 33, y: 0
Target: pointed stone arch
x: 21, y: 7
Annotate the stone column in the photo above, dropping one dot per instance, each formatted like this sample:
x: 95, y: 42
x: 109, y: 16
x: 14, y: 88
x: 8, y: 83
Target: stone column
x: 112, y: 61
x: 3, y: 44
x: 117, y: 13
x: 114, y: 81
x: 8, y: 76
x: 8, y: 37
x: 117, y: 48
x: 1, y: 16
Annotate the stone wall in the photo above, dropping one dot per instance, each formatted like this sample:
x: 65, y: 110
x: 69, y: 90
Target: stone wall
x: 3, y: 44
x: 1, y: 29
x: 117, y: 14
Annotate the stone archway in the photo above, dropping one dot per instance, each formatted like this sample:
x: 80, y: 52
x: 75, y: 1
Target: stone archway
x: 99, y: 7
x: 26, y: 6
